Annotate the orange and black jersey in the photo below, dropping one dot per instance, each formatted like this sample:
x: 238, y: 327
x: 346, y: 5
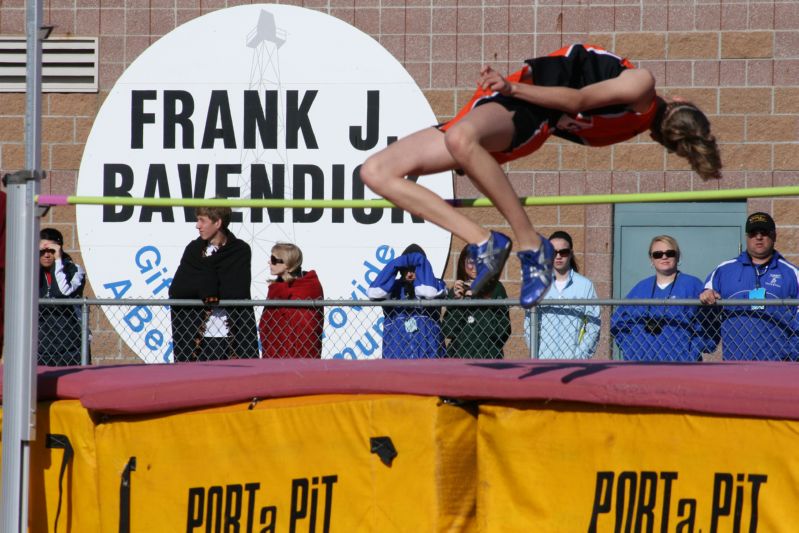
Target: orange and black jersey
x: 578, y: 66
x: 574, y: 66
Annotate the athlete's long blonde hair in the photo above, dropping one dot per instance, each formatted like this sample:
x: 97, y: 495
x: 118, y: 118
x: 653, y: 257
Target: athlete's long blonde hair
x: 684, y: 130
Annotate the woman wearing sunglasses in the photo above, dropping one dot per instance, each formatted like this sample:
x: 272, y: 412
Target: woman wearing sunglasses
x: 475, y: 332
x: 59, y: 325
x: 292, y: 332
x: 566, y: 332
x: 657, y: 332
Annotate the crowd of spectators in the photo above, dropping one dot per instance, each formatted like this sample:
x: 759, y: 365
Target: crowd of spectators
x: 217, y: 266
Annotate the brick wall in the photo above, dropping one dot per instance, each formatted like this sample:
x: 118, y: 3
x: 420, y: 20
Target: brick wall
x: 737, y: 59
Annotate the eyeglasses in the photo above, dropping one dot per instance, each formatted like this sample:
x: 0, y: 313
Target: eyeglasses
x: 276, y: 261
x: 470, y: 262
x: 565, y: 252
x: 46, y: 251
x: 668, y: 253
x: 758, y: 233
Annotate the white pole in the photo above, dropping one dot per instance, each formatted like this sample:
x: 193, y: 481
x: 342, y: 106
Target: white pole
x: 22, y: 291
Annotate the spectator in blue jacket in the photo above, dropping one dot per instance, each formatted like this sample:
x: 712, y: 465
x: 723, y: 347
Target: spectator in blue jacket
x: 759, y: 273
x: 410, y: 332
x: 659, y: 332
x: 566, y: 332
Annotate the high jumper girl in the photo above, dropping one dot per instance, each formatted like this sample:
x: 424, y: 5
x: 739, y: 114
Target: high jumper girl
x: 582, y: 93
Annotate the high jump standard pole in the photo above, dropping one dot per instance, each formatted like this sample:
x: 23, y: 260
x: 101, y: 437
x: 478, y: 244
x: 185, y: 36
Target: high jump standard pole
x: 21, y: 304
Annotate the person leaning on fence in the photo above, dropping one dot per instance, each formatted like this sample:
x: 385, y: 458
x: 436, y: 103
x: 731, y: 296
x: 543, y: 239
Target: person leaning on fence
x: 291, y: 332
x: 413, y: 331
x: 657, y: 332
x: 566, y: 332
x: 59, y: 325
x: 475, y: 332
x: 758, y: 273
x: 215, y: 266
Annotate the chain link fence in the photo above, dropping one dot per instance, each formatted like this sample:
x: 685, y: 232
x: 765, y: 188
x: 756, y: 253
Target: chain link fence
x: 93, y: 331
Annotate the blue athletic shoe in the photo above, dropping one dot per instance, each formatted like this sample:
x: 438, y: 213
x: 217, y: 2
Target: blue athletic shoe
x: 536, y: 273
x: 489, y: 260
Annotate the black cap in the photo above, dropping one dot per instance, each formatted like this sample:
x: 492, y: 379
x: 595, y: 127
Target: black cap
x: 52, y: 234
x: 760, y: 222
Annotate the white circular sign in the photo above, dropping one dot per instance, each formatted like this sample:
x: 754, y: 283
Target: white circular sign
x: 257, y: 101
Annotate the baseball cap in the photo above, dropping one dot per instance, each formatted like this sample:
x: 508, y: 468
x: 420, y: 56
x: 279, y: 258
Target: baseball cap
x: 760, y: 222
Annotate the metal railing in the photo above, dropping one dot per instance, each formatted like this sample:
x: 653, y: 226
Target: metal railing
x: 82, y: 331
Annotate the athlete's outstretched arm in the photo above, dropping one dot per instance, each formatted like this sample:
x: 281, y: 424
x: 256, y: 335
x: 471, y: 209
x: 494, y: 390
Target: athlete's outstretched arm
x: 633, y: 87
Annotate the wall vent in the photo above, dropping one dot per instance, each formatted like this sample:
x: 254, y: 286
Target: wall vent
x: 69, y: 65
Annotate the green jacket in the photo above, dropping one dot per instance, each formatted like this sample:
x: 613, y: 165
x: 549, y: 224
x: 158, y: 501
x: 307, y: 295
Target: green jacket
x: 477, y: 332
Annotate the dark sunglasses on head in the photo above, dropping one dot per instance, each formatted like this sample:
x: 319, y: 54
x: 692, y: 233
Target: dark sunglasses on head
x: 565, y: 252
x: 276, y: 261
x: 667, y: 253
x: 46, y: 251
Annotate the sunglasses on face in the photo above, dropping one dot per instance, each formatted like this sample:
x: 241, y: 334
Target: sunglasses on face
x: 758, y: 233
x: 668, y: 253
x: 276, y: 261
x: 44, y: 251
x: 565, y: 252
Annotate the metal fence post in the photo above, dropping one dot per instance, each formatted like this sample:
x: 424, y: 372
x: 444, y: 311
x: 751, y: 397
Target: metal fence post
x: 534, y: 333
x: 84, y: 332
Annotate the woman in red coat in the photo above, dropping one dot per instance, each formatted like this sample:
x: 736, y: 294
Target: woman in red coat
x: 292, y: 331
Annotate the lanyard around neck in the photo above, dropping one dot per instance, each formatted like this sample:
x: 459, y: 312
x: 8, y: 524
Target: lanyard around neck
x: 671, y: 287
x: 759, y: 274
x: 654, y: 287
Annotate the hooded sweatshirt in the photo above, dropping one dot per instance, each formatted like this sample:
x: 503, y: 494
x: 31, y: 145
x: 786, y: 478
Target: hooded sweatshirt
x: 410, y: 332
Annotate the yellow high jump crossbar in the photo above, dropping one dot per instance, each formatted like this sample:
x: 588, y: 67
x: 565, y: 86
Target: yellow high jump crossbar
x: 682, y: 196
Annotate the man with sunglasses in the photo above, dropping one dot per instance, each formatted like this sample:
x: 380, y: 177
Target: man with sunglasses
x: 759, y: 273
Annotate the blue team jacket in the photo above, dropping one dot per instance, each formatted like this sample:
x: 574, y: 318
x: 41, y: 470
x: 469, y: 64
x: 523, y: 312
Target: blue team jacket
x: 767, y: 333
x: 685, y: 331
x: 410, y: 332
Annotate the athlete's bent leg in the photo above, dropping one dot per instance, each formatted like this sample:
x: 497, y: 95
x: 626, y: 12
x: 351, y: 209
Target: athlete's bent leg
x: 489, y: 128
x: 486, y: 129
x: 419, y: 154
